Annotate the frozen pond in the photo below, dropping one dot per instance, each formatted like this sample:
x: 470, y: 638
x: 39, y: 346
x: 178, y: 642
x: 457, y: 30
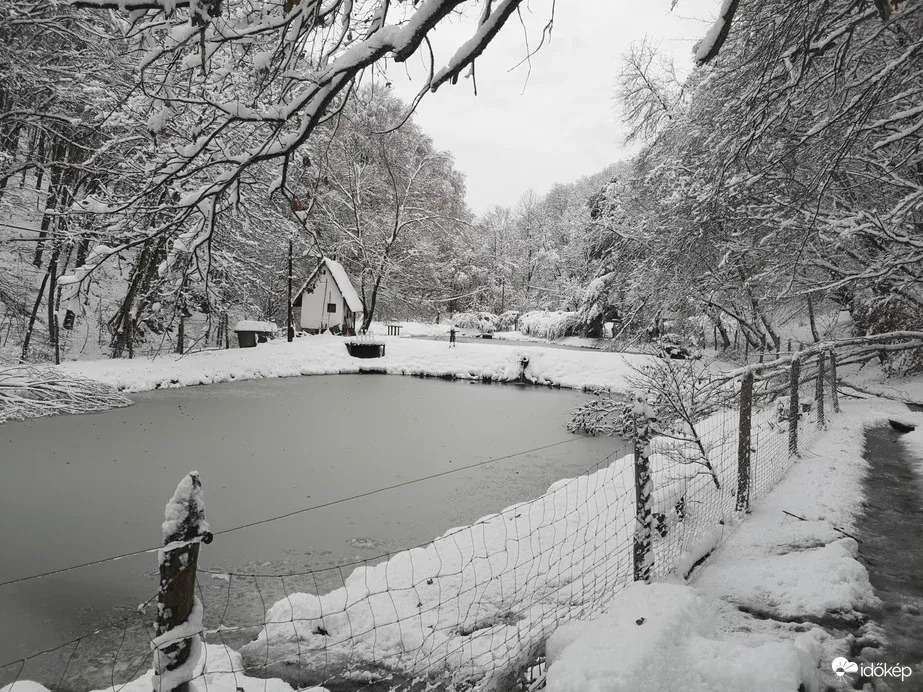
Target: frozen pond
x: 81, y: 488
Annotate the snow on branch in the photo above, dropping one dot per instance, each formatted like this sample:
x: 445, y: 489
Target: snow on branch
x: 709, y: 46
x: 230, y: 90
x: 471, y: 49
x: 28, y: 391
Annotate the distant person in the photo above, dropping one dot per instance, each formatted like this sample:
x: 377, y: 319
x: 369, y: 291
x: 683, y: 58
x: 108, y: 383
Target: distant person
x: 451, y: 337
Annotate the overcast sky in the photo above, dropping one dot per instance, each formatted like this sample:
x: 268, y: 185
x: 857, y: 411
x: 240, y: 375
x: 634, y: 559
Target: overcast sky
x: 561, y: 124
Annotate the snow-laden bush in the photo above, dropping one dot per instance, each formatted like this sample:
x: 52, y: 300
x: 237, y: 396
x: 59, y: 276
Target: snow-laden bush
x: 549, y: 325
x: 483, y: 321
x: 508, y: 321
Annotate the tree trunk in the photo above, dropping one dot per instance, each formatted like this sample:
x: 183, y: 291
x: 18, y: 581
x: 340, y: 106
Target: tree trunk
x: 370, y: 308
x: 52, y: 314
x: 719, y: 325
x: 32, y: 317
x: 811, y: 320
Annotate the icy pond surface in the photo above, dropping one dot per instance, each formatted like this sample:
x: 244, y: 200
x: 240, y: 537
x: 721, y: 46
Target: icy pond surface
x: 81, y: 488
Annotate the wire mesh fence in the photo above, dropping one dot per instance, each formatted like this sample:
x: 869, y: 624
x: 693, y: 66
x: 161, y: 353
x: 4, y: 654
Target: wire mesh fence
x: 473, y: 608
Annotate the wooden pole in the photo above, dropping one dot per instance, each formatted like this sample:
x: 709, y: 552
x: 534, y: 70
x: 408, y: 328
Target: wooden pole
x: 184, y: 528
x: 834, y: 395
x: 819, y: 391
x: 743, y: 443
x: 793, y: 406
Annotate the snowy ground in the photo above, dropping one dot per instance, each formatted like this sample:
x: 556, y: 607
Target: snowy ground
x: 769, y: 610
x: 478, y: 599
x: 441, y: 331
x: 326, y: 355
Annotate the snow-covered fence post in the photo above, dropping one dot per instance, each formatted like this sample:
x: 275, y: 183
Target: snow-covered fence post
x: 834, y: 395
x: 178, y: 632
x: 643, y: 554
x: 819, y: 391
x: 743, y: 443
x: 793, y: 405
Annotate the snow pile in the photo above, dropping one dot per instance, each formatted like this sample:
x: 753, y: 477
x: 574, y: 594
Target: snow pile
x: 666, y: 637
x: 476, y: 601
x: 24, y: 686
x: 549, y: 325
x: 804, y: 583
x: 255, y: 326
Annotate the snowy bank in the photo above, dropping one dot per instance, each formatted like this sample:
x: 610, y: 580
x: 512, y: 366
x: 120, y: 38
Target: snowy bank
x: 326, y: 355
x: 479, y: 602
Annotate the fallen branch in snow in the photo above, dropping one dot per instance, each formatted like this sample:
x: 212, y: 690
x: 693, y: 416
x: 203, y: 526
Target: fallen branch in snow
x: 28, y: 391
x: 835, y: 528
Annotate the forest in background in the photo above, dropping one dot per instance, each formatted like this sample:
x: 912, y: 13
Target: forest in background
x: 140, y: 188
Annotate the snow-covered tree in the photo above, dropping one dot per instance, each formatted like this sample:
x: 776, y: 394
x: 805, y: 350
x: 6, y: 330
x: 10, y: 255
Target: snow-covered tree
x: 381, y: 198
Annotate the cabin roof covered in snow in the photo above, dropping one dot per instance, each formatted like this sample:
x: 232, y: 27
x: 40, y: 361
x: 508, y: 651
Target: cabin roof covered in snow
x: 255, y: 326
x: 342, y: 281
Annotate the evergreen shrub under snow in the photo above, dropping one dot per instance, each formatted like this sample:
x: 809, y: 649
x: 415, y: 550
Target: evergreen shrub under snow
x: 484, y: 321
x: 549, y: 325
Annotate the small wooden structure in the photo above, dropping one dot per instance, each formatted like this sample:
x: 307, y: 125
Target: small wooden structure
x: 394, y: 330
x: 327, y: 300
x: 252, y: 332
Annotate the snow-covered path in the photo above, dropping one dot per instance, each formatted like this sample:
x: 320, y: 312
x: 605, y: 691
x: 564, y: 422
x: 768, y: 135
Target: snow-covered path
x: 781, y: 598
x: 808, y: 569
x: 891, y: 545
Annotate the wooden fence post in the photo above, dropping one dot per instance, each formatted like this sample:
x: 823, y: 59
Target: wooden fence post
x: 743, y: 443
x: 793, y: 406
x: 184, y: 527
x: 834, y: 395
x: 819, y: 391
x: 643, y: 553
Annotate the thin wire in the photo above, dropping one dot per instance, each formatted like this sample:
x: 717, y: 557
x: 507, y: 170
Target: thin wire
x: 91, y: 563
x: 395, y: 486
x: 75, y: 640
x: 603, y: 461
